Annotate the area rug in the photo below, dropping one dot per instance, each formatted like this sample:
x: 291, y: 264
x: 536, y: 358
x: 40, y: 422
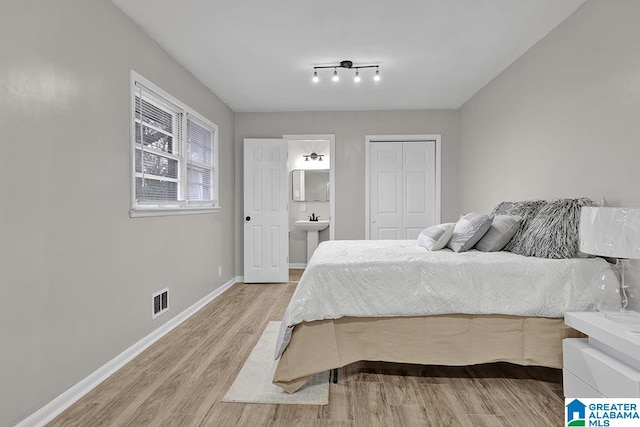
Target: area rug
x: 253, y: 383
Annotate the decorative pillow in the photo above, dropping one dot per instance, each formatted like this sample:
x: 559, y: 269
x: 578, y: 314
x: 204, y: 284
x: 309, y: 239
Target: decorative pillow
x: 468, y: 230
x: 501, y: 231
x: 525, y: 211
x: 436, y: 237
x: 503, y: 208
x: 553, y: 233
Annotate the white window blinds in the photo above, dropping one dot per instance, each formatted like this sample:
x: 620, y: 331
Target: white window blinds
x: 172, y: 168
x: 157, y: 148
x: 199, y: 160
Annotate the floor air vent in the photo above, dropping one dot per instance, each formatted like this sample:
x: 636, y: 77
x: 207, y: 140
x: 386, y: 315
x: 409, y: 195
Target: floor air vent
x: 160, y: 302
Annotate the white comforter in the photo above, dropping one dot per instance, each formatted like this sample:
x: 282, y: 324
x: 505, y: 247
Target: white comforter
x: 382, y: 278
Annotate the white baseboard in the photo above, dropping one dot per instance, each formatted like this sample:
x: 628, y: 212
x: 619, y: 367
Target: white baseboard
x: 298, y: 265
x: 239, y: 279
x: 73, y: 394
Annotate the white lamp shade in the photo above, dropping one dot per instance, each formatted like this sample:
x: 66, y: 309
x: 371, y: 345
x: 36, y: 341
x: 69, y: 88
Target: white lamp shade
x: 610, y: 232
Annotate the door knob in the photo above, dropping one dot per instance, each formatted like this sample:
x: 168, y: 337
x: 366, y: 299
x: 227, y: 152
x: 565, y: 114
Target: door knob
x: 248, y: 218
x: 373, y: 221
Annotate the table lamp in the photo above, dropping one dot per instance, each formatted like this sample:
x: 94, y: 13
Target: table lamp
x: 614, y: 233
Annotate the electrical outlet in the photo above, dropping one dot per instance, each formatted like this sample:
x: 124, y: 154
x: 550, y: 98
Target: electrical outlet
x: 303, y: 207
x: 219, y: 271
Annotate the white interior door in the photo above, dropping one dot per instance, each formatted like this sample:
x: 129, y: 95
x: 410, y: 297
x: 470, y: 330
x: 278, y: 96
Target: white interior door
x: 386, y: 190
x: 419, y: 187
x: 402, y: 189
x: 266, y: 217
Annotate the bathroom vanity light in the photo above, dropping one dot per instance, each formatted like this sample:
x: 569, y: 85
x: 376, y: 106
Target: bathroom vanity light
x: 313, y: 156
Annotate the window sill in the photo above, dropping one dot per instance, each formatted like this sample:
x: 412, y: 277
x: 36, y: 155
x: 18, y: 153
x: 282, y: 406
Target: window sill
x: 154, y: 211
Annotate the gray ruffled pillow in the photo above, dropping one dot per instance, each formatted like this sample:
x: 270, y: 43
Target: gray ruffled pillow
x: 553, y: 233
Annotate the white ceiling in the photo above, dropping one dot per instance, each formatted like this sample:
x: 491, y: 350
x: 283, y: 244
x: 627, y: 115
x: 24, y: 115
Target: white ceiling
x: 259, y: 55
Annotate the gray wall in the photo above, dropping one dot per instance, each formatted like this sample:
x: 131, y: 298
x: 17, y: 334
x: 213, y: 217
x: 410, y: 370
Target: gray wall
x: 563, y: 120
x: 76, y: 272
x: 350, y: 129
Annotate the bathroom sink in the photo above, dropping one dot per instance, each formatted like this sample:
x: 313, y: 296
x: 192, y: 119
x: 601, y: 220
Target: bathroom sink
x: 313, y: 229
x: 307, y: 225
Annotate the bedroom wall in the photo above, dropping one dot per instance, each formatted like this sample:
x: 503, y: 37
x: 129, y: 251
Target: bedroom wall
x: 76, y: 272
x: 350, y: 129
x: 561, y: 121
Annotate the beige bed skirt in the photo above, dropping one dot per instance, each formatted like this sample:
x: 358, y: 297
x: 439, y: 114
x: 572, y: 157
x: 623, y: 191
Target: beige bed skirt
x: 455, y: 339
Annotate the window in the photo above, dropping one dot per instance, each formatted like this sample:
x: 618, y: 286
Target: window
x: 174, y: 154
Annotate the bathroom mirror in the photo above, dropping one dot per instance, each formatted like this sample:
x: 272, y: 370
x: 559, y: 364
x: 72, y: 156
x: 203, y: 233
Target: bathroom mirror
x: 310, y: 185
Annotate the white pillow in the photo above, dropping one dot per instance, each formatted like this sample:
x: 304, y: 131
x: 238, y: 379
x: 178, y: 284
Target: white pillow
x: 436, y: 237
x: 468, y: 230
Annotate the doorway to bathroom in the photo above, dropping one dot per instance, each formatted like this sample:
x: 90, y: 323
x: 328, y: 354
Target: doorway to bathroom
x: 311, y: 193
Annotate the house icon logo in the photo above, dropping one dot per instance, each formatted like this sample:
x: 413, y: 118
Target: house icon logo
x: 576, y: 413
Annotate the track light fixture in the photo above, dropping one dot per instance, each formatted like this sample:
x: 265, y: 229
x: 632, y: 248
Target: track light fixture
x: 348, y: 65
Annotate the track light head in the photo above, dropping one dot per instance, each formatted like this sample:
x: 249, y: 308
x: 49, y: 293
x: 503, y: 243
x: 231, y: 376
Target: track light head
x: 315, y: 76
x: 357, y: 77
x: 335, y: 77
x: 377, y: 76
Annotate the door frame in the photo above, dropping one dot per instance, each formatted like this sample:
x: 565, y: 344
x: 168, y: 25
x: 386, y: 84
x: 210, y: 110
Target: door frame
x: 370, y: 139
x: 332, y: 172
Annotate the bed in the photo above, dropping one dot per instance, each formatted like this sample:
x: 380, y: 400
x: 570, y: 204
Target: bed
x: 396, y: 302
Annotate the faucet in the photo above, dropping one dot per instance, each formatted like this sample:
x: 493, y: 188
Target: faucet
x: 313, y: 217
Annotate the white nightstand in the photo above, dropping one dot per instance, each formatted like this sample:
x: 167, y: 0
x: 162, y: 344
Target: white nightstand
x: 606, y: 364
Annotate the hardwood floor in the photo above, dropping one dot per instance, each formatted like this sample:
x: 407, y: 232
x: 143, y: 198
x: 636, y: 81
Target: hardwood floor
x: 180, y: 380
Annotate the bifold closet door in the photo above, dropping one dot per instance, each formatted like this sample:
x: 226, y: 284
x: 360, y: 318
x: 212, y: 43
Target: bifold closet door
x: 402, y: 197
x: 385, y: 188
x: 419, y: 187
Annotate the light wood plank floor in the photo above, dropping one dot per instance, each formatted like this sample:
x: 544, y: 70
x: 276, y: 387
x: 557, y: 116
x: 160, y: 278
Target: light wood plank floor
x: 180, y: 380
